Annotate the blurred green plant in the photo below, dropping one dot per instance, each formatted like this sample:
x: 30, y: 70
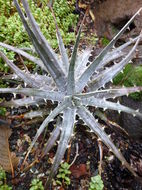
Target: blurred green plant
x: 105, y: 41
x: 131, y: 76
x: 2, y: 111
x: 3, y: 185
x: 96, y: 183
x: 63, y: 174
x: 36, y: 184
x: 3, y: 67
x: 12, y: 31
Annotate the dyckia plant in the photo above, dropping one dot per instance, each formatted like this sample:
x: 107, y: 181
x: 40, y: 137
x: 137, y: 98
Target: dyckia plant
x: 71, y: 82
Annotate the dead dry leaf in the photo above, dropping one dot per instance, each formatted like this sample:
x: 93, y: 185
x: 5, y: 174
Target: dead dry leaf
x: 79, y: 170
x: 8, y: 160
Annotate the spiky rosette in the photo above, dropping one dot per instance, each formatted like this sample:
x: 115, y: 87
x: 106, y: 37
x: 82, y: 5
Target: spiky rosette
x: 65, y: 82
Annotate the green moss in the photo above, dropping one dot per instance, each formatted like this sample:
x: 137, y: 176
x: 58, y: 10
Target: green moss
x: 105, y: 41
x: 6, y: 7
x: 63, y: 174
x: 131, y: 76
x: 3, y: 66
x: 3, y: 185
x: 12, y: 31
x: 2, y: 109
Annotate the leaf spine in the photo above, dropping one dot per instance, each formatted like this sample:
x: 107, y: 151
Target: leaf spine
x: 104, y: 98
x: 62, y: 161
x: 130, y: 61
x: 109, y: 136
x: 72, y: 135
x: 118, y: 102
x: 57, y: 142
x: 119, y: 111
x: 14, y: 94
x: 25, y: 84
x: 99, y: 139
x: 128, y: 28
x: 104, y: 109
x: 18, y: 87
x: 45, y: 100
x: 37, y: 105
x: 103, y: 128
x: 69, y: 145
x: 26, y: 106
x: 110, y: 150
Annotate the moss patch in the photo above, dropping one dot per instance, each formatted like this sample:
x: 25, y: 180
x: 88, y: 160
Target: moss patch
x: 12, y: 31
x: 131, y: 76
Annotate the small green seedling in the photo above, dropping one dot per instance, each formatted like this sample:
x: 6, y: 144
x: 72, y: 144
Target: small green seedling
x: 36, y: 184
x: 2, y: 176
x: 3, y: 185
x: 105, y: 41
x: 96, y: 183
x: 63, y: 174
x: 2, y: 111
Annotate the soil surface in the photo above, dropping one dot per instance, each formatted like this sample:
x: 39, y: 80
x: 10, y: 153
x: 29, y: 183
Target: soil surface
x: 114, y: 175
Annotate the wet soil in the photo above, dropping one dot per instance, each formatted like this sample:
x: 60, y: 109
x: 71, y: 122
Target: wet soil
x: 114, y: 175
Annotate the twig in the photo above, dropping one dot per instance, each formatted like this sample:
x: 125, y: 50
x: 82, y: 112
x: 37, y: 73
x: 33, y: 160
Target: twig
x: 68, y: 153
x: 22, y: 61
x: 101, y: 156
x: 9, y: 154
x: 76, y: 155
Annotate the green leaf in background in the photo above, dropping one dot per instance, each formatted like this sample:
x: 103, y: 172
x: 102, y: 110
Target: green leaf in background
x: 96, y: 183
x: 131, y: 76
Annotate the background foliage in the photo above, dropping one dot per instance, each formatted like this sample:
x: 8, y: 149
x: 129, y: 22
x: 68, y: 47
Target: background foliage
x: 131, y: 76
x: 13, y: 33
